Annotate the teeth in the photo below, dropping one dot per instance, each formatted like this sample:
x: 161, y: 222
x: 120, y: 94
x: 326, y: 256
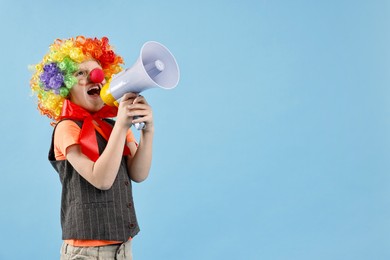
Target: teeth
x: 94, y: 88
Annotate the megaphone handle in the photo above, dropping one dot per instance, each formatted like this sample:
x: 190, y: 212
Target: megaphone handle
x: 139, y: 126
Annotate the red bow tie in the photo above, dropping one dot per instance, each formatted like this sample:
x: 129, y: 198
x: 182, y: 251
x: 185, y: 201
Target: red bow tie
x: 88, y: 141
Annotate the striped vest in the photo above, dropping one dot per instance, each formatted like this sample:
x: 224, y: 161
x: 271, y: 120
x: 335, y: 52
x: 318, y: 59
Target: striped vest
x: 90, y: 213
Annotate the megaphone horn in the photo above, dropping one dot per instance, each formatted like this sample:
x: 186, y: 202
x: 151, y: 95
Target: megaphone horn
x: 156, y: 67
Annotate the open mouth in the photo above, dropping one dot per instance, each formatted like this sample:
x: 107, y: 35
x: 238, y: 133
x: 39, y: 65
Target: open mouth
x: 95, y: 90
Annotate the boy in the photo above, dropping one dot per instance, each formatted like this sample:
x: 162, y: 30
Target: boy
x: 96, y: 158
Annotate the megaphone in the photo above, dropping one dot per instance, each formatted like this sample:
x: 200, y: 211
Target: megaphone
x: 156, y: 67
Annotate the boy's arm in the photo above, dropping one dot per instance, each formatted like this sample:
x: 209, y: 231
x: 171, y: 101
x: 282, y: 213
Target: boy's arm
x: 140, y: 160
x: 139, y: 165
x: 103, y: 172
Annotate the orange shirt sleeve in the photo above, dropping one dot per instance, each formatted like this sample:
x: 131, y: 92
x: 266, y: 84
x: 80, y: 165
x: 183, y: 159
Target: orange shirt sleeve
x: 67, y: 133
x: 130, y: 137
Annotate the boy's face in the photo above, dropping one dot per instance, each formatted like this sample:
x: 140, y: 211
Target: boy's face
x: 86, y: 93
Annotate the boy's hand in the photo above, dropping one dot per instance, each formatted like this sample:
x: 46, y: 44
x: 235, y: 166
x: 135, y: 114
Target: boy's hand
x: 142, y: 110
x: 133, y: 105
x: 123, y: 117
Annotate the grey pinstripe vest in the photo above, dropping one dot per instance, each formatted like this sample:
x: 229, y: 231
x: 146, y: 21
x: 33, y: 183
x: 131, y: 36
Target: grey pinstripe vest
x: 90, y: 213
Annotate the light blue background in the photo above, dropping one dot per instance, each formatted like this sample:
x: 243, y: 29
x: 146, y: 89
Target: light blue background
x: 275, y: 145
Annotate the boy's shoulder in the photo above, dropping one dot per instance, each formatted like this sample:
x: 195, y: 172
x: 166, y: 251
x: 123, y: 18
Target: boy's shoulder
x: 68, y: 123
x: 67, y: 126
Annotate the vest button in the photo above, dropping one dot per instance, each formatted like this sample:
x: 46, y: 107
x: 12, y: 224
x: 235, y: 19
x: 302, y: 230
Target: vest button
x: 129, y: 205
x: 131, y: 225
x: 126, y: 183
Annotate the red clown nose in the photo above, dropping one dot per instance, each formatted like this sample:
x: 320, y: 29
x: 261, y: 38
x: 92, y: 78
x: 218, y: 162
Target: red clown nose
x: 96, y: 75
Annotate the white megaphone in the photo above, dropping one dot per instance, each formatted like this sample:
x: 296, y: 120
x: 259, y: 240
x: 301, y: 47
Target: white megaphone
x: 156, y: 67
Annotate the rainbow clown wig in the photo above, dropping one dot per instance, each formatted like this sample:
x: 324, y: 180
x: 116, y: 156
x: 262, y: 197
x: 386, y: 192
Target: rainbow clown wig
x: 54, y: 76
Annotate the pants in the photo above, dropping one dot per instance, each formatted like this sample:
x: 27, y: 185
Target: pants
x: 110, y: 252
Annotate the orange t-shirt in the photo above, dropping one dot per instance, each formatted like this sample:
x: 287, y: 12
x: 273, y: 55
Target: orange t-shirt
x: 67, y: 133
